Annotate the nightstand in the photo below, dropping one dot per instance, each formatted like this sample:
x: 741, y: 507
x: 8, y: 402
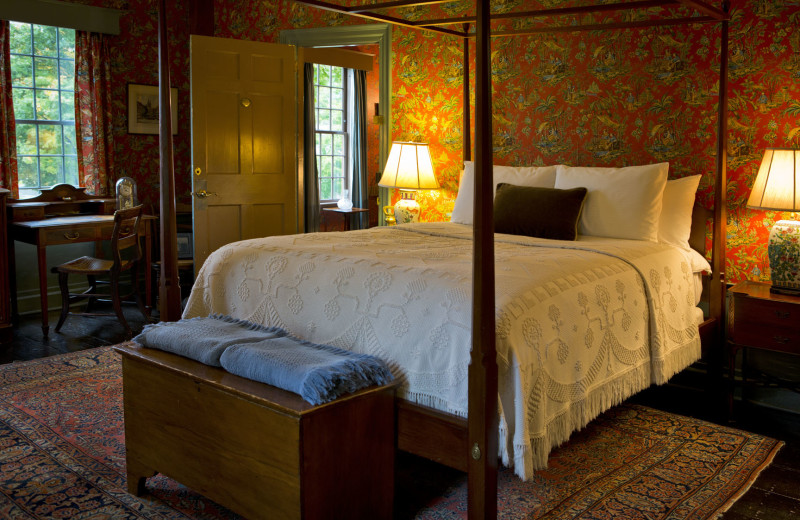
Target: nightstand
x: 759, y: 319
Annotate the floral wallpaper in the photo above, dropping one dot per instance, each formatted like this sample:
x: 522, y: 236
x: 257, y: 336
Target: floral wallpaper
x: 606, y: 98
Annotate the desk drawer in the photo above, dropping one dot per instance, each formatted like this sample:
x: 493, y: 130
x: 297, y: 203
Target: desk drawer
x: 68, y: 236
x: 20, y: 214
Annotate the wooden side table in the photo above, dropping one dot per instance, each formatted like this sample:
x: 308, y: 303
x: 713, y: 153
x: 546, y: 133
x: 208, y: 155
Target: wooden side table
x: 347, y: 214
x: 759, y: 319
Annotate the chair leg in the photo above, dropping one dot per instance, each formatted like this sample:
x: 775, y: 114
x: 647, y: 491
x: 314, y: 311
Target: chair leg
x: 92, y: 290
x: 64, y: 286
x: 116, y: 302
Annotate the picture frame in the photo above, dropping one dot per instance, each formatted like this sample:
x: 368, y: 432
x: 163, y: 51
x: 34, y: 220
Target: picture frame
x: 143, y: 104
x: 185, y: 246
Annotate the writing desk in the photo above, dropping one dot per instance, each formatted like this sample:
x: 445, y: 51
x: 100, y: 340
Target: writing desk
x: 68, y: 230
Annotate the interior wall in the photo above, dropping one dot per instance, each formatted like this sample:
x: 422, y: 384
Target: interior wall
x: 598, y: 98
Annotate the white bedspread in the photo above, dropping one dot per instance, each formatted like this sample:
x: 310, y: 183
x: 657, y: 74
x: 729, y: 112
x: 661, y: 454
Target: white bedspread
x: 580, y: 325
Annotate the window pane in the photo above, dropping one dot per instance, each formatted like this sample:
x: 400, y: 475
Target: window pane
x: 50, y: 169
x: 338, y: 144
x: 21, y: 71
x: 323, y: 120
x: 23, y: 103
x: 337, y: 100
x: 325, y: 166
x: 46, y: 72
x: 66, y: 43
x: 69, y: 140
x: 44, y: 40
x: 67, y: 106
x: 326, y: 144
x: 324, y: 75
x: 28, y: 172
x: 67, y: 74
x: 20, y: 38
x: 337, y: 76
x: 336, y: 121
x: 338, y: 166
x: 71, y: 170
x: 337, y: 188
x: 48, y: 105
x: 325, y: 191
x: 324, y: 97
x: 49, y: 139
x: 26, y: 139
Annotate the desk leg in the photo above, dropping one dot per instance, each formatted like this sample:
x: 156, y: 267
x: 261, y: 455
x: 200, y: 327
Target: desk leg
x: 12, y: 281
x: 41, y: 251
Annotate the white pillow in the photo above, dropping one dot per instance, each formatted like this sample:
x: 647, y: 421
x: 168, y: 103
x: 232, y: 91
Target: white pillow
x: 621, y: 202
x: 533, y: 176
x: 675, y: 223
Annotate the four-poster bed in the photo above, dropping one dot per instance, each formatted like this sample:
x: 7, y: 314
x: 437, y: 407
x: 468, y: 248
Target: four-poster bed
x: 472, y: 443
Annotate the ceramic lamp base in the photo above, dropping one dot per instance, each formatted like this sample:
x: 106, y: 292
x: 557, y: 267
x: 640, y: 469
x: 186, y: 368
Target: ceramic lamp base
x: 407, y: 209
x: 784, y: 256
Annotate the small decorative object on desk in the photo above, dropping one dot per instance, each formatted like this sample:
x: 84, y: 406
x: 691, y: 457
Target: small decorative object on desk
x: 126, y: 193
x: 345, y: 202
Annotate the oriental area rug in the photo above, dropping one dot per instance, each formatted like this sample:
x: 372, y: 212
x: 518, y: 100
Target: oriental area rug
x: 62, y: 455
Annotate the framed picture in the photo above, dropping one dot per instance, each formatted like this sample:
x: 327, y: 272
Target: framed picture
x: 143, y: 109
x: 185, y: 248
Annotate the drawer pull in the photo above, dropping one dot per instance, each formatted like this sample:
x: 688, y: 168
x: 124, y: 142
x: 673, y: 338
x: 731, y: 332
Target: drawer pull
x: 73, y: 236
x: 783, y: 314
x: 781, y: 339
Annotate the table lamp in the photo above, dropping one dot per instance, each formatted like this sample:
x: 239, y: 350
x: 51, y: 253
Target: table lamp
x: 777, y: 188
x: 409, y: 168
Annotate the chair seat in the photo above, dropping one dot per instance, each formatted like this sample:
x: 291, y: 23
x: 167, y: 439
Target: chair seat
x: 89, y: 265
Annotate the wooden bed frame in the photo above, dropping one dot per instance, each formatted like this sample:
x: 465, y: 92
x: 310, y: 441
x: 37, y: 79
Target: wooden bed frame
x: 463, y: 443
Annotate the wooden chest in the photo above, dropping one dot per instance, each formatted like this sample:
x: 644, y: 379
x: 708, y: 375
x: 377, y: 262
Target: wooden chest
x: 256, y: 449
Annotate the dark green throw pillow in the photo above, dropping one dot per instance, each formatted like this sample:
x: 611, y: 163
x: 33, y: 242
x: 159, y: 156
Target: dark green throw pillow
x: 538, y: 212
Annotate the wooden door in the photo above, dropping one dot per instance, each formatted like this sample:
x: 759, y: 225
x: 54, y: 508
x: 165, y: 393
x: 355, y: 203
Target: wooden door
x: 245, y: 178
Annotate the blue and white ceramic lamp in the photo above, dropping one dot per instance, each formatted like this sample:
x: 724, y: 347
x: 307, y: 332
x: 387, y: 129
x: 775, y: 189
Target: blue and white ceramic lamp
x: 777, y: 188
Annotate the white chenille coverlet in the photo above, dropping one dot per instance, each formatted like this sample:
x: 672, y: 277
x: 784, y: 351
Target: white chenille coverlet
x: 580, y: 325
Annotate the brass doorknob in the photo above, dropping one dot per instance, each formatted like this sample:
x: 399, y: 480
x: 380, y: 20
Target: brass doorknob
x: 202, y: 194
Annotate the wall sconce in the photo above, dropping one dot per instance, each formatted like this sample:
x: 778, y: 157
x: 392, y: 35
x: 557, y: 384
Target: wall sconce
x: 777, y: 188
x: 409, y: 168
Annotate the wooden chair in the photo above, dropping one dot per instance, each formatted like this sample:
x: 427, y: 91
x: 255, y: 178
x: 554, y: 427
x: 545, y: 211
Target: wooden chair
x: 126, y: 252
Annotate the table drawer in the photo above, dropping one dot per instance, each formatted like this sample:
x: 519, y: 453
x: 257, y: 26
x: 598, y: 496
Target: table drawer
x: 767, y: 324
x: 68, y: 236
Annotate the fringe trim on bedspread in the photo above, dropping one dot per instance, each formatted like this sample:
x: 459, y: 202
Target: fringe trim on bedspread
x: 533, y: 455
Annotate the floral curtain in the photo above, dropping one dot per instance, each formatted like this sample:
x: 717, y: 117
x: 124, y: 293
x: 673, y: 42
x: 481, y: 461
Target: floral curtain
x: 8, y: 133
x: 93, y: 113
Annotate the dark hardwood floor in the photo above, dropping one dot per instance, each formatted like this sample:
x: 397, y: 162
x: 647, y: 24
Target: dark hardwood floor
x: 774, y: 496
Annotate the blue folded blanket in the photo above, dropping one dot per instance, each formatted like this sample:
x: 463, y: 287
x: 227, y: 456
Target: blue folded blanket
x: 318, y: 373
x: 204, y: 339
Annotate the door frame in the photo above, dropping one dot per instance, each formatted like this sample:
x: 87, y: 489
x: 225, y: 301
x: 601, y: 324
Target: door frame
x: 363, y: 34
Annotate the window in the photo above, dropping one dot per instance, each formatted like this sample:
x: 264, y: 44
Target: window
x: 43, y: 81
x: 330, y: 103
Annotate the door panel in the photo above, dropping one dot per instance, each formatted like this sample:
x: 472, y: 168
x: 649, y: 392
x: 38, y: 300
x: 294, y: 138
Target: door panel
x: 243, y: 142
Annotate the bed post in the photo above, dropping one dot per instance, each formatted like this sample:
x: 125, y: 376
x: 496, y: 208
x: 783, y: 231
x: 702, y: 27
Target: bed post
x: 169, y: 295
x: 467, y: 141
x: 482, y: 418
x: 718, y: 284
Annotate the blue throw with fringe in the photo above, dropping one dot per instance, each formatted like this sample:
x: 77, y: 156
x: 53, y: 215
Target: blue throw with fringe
x: 318, y: 373
x: 204, y: 339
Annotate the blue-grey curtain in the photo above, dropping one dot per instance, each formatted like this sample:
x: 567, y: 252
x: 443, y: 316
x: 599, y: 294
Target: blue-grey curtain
x: 360, y: 187
x: 310, y: 182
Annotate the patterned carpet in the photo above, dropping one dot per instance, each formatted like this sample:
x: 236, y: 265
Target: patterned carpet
x: 62, y: 455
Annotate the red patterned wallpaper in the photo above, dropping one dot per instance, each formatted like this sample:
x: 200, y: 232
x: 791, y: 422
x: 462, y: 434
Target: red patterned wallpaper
x: 593, y: 98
